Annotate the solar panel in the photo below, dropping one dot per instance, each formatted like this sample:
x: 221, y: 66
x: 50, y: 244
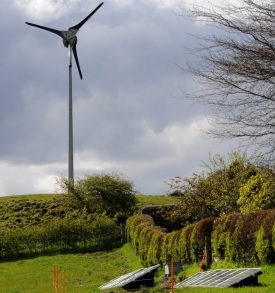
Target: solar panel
x: 223, y: 278
x: 125, y: 280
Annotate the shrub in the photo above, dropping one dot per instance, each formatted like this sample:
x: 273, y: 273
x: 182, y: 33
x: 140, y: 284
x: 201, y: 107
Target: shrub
x: 71, y: 233
x: 154, y: 250
x: 168, y: 245
x: 182, y: 251
x: 264, y: 248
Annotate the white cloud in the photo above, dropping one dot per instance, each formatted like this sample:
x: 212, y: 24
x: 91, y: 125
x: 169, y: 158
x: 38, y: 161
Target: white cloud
x: 48, y: 10
x: 90, y: 161
x: 45, y: 184
x: 166, y: 4
x: 208, y: 3
x: 173, y: 140
x: 26, y: 179
x: 160, y: 4
x: 45, y: 9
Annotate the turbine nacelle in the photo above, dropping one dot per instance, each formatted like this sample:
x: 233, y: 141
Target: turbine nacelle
x: 69, y: 36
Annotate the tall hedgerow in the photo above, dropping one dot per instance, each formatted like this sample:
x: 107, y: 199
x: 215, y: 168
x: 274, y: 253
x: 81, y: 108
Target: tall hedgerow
x: 168, y: 246
x: 264, y: 246
x: 144, y: 240
x: 135, y: 225
x: 182, y: 251
x: 154, y: 250
x: 241, y: 238
x: 219, y: 237
x: 72, y: 233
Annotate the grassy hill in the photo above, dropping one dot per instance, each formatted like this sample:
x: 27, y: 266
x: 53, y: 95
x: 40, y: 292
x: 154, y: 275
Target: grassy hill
x: 22, y: 210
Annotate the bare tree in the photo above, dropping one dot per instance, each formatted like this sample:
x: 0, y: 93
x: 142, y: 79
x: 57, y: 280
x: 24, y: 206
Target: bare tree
x: 236, y: 69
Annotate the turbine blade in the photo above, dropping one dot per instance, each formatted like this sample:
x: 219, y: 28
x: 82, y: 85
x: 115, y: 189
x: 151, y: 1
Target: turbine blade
x: 79, y: 25
x: 47, y: 29
x: 76, y: 60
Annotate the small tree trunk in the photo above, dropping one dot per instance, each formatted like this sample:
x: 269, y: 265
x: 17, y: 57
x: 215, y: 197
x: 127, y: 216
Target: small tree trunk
x: 208, y: 249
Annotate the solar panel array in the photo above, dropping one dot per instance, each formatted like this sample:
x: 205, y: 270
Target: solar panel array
x: 128, y: 278
x: 221, y: 278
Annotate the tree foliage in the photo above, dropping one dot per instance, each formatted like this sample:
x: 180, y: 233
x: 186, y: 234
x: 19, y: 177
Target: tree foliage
x: 258, y: 192
x: 108, y: 193
x: 236, y: 70
x: 225, y: 186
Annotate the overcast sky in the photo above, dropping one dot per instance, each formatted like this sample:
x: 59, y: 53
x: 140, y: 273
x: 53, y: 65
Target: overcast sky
x: 128, y: 117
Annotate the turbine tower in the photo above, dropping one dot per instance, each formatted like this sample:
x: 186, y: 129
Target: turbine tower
x: 70, y: 41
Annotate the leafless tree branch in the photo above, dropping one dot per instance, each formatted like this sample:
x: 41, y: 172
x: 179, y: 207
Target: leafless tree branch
x: 236, y: 70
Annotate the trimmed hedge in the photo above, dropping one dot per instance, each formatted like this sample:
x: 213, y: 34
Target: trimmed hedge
x: 72, y: 233
x: 245, y: 238
x: 242, y: 238
x: 154, y: 246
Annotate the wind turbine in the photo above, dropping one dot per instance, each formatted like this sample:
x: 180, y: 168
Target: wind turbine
x: 70, y: 41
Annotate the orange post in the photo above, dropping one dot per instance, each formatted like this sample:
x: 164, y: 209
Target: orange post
x: 55, y: 278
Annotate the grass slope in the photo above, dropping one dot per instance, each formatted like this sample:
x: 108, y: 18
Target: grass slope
x: 22, y: 210
x: 84, y: 273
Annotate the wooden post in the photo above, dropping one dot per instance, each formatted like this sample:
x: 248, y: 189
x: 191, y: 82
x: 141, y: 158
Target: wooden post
x: 208, y: 250
x: 55, y: 279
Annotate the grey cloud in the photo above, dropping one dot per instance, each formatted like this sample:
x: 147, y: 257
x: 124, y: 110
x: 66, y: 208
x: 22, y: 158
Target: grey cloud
x: 122, y: 107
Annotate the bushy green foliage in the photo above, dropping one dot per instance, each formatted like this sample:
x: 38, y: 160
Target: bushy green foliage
x: 182, y: 251
x: 237, y: 252
x: 98, y: 193
x: 195, y: 249
x: 145, y: 237
x: 264, y: 249
x: 75, y: 232
x: 258, y: 192
x: 241, y: 238
x: 219, y: 238
x: 226, y: 186
x: 154, y: 250
x: 200, y: 231
x: 244, y: 238
x: 154, y: 246
x: 134, y: 226
x: 168, y: 246
x: 45, y: 223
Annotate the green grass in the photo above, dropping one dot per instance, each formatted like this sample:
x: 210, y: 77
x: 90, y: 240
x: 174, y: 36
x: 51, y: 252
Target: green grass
x: 22, y: 210
x: 145, y: 200
x: 84, y: 273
